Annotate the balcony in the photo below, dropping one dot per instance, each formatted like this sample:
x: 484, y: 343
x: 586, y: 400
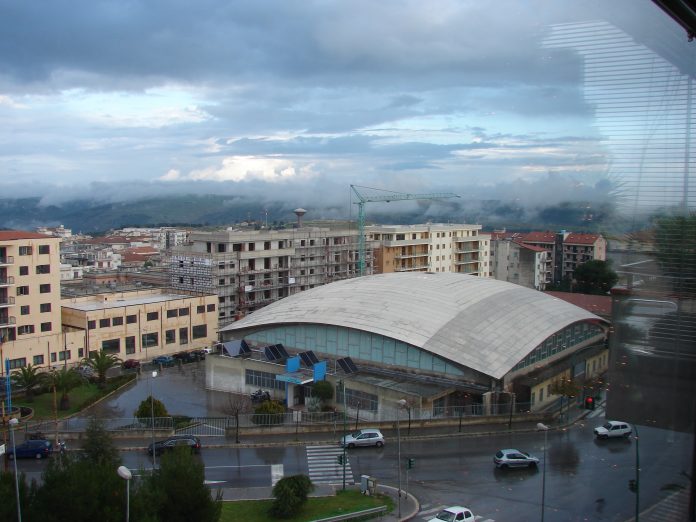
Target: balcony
x: 6, y: 281
x: 414, y: 268
x: 7, y: 320
x: 7, y: 301
x: 411, y: 256
x: 7, y: 260
x: 466, y: 250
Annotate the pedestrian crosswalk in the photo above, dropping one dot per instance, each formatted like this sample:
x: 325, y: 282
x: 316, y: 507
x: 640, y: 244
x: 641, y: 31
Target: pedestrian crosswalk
x: 324, y: 468
x: 428, y: 513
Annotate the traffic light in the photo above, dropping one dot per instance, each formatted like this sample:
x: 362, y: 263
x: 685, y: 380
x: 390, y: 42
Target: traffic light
x: 589, y: 403
x: 633, y: 485
x: 340, y: 459
x: 411, y: 463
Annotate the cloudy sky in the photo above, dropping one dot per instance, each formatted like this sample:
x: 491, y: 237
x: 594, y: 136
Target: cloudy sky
x: 297, y: 99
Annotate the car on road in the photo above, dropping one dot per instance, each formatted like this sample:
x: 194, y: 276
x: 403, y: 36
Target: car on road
x: 612, y: 429
x: 454, y: 514
x: 512, y: 458
x: 364, y: 437
x: 164, y: 360
x: 177, y: 441
x: 186, y: 357
x: 131, y: 364
x: 32, y: 449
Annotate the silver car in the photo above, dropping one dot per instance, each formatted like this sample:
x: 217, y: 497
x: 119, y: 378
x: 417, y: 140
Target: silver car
x: 364, y: 437
x: 512, y: 458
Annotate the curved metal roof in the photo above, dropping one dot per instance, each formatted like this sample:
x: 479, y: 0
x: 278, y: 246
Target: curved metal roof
x: 485, y: 324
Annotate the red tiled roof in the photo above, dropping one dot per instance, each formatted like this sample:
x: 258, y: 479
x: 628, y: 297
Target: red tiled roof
x: 533, y: 248
x: 581, y: 239
x: 10, y: 235
x: 538, y: 237
x: 597, y: 304
x: 141, y: 251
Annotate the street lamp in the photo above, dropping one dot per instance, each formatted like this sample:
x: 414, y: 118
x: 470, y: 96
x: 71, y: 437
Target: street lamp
x: 545, y: 429
x: 13, y: 422
x: 152, y: 420
x: 402, y: 404
x: 126, y: 475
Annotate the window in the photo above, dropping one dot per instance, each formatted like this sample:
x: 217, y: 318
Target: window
x: 111, y: 346
x: 18, y: 363
x: 130, y: 344
x: 23, y: 270
x: 131, y: 319
x: 44, y: 249
x: 24, y: 310
x: 150, y: 340
x: 45, y: 307
x: 25, y: 251
x: 64, y: 355
x: 117, y: 321
x: 46, y: 327
x: 54, y: 357
x: 183, y: 335
x: 199, y: 331
x: 37, y: 360
x: 43, y: 269
x: 221, y: 281
x: 260, y: 379
x: 91, y: 325
x: 200, y: 309
x: 45, y: 288
x: 22, y: 290
x: 170, y: 336
x: 104, y: 323
x: 210, y: 308
x: 171, y: 313
x: 183, y: 312
x: 26, y: 329
x: 152, y: 316
x: 81, y: 352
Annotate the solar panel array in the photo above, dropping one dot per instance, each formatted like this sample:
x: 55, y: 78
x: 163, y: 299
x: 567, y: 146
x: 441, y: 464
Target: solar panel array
x: 244, y: 348
x: 275, y: 352
x: 309, y: 358
x: 347, y: 365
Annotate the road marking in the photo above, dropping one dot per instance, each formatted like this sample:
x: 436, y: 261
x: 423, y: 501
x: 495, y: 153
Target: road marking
x: 276, y: 473
x: 323, y: 466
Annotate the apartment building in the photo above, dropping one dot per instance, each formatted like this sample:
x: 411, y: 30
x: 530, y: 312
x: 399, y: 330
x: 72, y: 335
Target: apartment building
x: 518, y: 263
x: 143, y: 324
x: 431, y: 248
x: 249, y: 269
x: 30, y: 315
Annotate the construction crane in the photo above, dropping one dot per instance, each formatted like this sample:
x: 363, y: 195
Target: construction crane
x: 386, y: 198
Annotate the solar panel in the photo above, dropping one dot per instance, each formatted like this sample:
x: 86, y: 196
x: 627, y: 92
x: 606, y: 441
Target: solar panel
x: 269, y: 353
x: 274, y: 350
x: 283, y: 351
x: 306, y: 359
x: 244, y: 348
x: 347, y: 365
x: 312, y: 357
x: 343, y: 365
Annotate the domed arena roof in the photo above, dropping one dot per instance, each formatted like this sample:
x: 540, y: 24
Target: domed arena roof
x: 481, y: 323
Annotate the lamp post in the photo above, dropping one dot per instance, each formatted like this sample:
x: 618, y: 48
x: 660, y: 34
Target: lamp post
x: 345, y: 430
x: 13, y: 422
x: 545, y: 429
x: 152, y: 420
x: 402, y: 404
x: 126, y: 475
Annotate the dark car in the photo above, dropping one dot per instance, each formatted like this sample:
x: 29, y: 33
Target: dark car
x: 32, y: 449
x: 130, y: 364
x: 164, y: 360
x: 177, y: 441
x: 186, y: 357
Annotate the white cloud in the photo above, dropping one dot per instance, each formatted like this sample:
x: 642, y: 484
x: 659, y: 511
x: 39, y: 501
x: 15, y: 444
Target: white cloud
x: 9, y: 102
x: 171, y: 175
x: 249, y: 168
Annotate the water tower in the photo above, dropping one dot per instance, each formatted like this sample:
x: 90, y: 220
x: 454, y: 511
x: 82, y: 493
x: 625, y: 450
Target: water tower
x: 299, y: 212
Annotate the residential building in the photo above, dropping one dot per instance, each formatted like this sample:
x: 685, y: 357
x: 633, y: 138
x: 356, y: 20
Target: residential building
x: 519, y: 263
x: 249, y: 269
x: 580, y: 248
x: 143, y: 324
x: 431, y: 247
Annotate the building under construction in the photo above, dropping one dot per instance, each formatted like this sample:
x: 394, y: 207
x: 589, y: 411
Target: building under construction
x: 249, y: 269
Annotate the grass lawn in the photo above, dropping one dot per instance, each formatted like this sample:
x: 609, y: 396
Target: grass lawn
x: 80, y: 398
x: 316, y: 507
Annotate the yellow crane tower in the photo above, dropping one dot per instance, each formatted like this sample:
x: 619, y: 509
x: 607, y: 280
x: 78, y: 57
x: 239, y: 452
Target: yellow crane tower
x: 385, y: 198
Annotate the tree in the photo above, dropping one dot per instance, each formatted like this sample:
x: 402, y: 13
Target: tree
x: 99, y: 446
x: 101, y: 362
x: 238, y: 404
x: 675, y: 244
x: 28, y: 377
x: 565, y: 387
x: 594, y: 277
x: 323, y: 390
x: 62, y: 381
x: 151, y: 407
x: 8, y: 497
x: 290, y: 495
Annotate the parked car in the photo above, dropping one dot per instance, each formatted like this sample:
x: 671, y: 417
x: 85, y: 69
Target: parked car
x: 32, y: 448
x: 364, y: 437
x: 176, y: 441
x: 85, y: 371
x: 130, y: 364
x: 164, y: 360
x: 512, y: 458
x: 185, y: 357
x: 613, y: 429
x: 454, y: 514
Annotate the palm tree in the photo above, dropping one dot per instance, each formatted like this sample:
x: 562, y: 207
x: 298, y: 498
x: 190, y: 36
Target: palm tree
x: 101, y: 362
x: 62, y: 381
x: 28, y: 377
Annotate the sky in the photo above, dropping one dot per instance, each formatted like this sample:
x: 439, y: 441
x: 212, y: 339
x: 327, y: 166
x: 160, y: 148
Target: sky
x: 297, y: 100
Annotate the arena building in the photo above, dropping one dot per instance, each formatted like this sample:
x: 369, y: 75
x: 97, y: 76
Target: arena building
x: 438, y: 340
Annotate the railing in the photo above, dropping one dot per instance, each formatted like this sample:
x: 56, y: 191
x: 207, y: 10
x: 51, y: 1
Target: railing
x: 7, y: 280
x: 365, y: 514
x: 7, y: 260
x: 7, y: 320
x: 7, y: 300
